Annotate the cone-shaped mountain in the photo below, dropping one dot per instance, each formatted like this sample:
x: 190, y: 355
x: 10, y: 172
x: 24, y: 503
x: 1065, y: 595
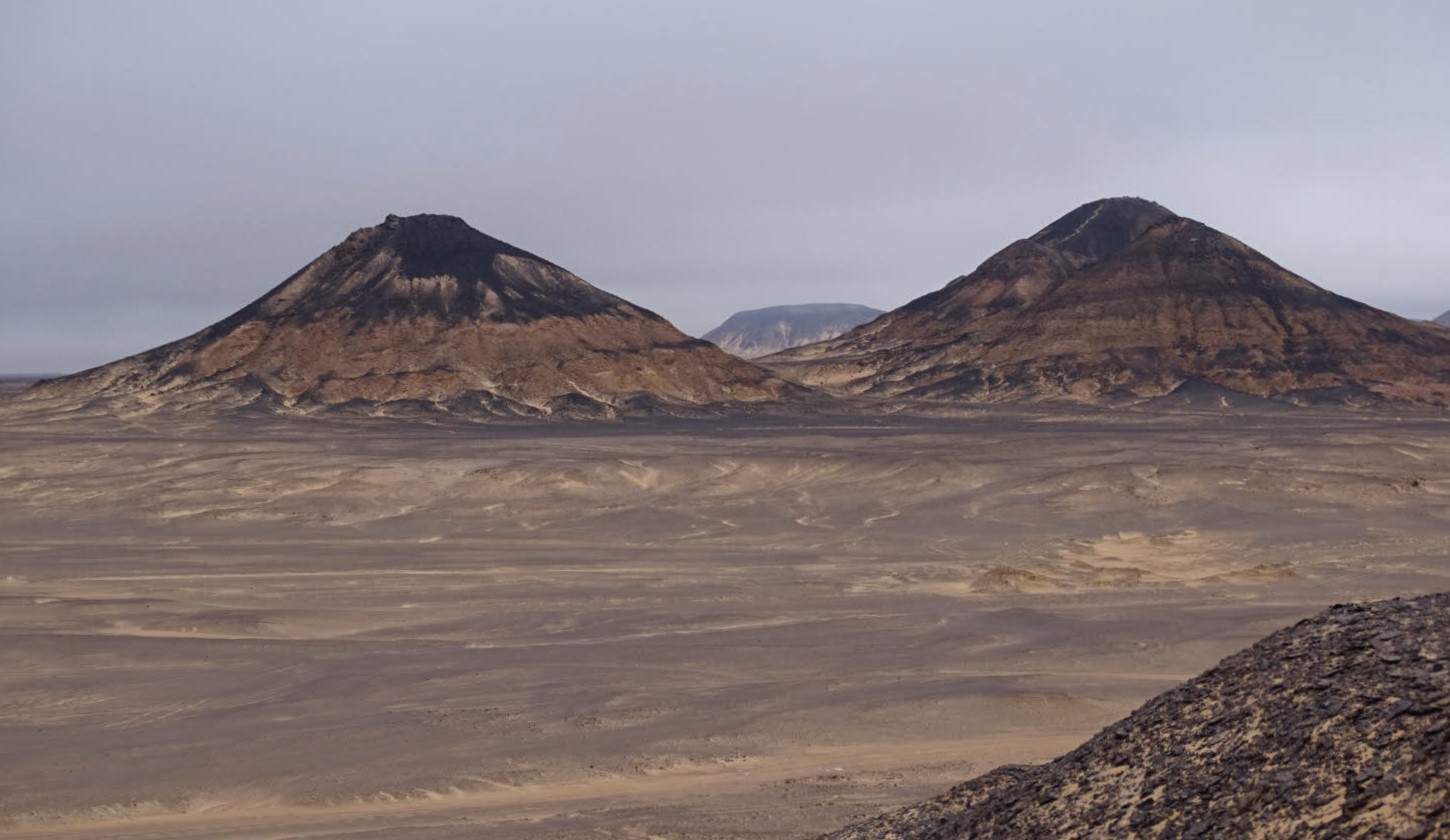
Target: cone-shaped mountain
x: 1122, y: 299
x: 425, y: 310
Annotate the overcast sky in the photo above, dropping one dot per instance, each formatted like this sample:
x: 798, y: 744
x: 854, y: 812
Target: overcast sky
x: 163, y: 164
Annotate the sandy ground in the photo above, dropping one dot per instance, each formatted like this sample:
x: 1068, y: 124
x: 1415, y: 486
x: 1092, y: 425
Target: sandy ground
x: 10, y: 384
x: 753, y: 628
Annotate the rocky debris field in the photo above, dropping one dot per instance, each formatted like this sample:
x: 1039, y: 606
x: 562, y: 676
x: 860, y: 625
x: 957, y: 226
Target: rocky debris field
x: 1335, y: 727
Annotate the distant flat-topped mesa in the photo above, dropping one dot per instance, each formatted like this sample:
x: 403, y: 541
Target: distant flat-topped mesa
x: 426, y: 312
x: 759, y: 332
x: 1333, y: 728
x: 1122, y: 300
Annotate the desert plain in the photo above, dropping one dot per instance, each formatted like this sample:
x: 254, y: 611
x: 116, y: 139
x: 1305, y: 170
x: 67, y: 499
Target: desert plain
x: 745, y: 627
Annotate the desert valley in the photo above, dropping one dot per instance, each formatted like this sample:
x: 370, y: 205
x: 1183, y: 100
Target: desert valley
x: 437, y: 540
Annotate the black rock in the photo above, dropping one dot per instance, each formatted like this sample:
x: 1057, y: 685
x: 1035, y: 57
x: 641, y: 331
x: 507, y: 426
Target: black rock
x: 1249, y: 748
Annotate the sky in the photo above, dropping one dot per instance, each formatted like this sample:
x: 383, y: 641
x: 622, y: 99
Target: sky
x: 163, y: 164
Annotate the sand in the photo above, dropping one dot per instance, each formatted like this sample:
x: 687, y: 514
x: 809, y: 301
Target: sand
x: 745, y: 628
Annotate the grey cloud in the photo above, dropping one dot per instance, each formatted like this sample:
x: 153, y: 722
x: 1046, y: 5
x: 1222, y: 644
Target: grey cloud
x: 175, y: 159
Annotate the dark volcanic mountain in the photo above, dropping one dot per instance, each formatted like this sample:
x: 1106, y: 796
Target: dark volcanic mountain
x: 1123, y: 300
x: 1335, y: 727
x: 427, y: 311
x: 1443, y: 319
x: 759, y: 332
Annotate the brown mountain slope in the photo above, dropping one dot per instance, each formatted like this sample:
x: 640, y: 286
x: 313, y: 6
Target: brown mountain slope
x: 1336, y: 727
x: 1121, y: 299
x: 427, y: 311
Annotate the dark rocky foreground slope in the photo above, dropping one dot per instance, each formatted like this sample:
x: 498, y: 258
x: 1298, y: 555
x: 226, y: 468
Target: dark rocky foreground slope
x: 759, y: 332
x: 425, y: 312
x: 1335, y: 727
x: 1122, y: 300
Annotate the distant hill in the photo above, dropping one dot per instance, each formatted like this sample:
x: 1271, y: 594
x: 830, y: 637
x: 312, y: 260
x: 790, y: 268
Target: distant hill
x: 15, y: 383
x: 758, y: 332
x: 426, y: 313
x: 1336, y: 727
x: 1123, y: 300
x: 1443, y: 320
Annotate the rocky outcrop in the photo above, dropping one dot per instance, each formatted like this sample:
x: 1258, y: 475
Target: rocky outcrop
x: 426, y: 313
x: 759, y: 332
x: 1122, y: 300
x: 1335, y: 727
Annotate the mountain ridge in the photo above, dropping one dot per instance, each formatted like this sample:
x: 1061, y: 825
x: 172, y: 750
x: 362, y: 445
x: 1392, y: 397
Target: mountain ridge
x: 751, y: 333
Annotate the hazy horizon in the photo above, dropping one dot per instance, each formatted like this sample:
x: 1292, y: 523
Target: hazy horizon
x: 167, y: 163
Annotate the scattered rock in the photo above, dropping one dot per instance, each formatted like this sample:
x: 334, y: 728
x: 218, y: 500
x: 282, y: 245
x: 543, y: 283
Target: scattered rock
x: 1235, y: 755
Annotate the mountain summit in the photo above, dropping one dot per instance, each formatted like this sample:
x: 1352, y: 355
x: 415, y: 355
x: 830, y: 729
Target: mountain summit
x: 425, y: 311
x: 1101, y: 228
x: 1121, y: 299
